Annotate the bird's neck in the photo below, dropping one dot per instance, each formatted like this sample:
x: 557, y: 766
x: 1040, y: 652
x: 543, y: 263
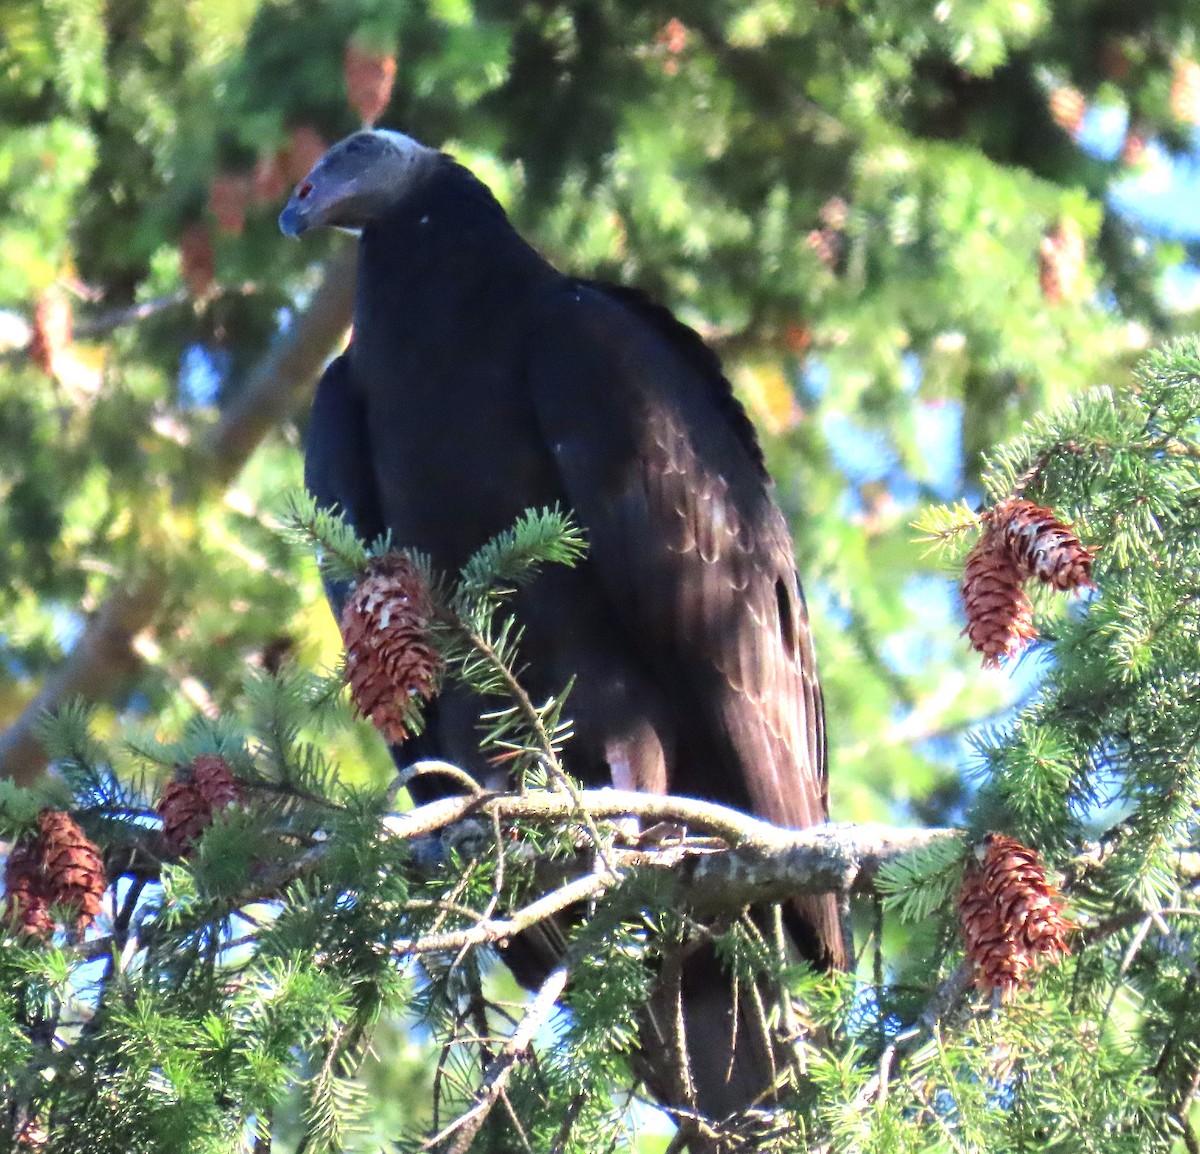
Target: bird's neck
x: 452, y: 238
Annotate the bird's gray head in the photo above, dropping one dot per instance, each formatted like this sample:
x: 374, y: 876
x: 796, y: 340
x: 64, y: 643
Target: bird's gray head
x: 356, y: 181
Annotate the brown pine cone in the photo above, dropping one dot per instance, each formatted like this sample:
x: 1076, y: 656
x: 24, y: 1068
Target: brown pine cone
x: 228, y: 199
x: 214, y: 782
x: 673, y: 36
x: 999, y: 614
x: 305, y: 147
x: 1000, y: 963
x: 72, y: 866
x: 185, y: 815
x: 25, y: 887
x: 1068, y: 106
x: 1042, y: 545
x: 31, y: 1134
x: 52, y: 330
x: 269, y: 180
x: 1011, y: 915
x: 197, y: 260
x: 827, y: 244
x: 1062, y: 259
x: 389, y: 660
x: 369, y: 77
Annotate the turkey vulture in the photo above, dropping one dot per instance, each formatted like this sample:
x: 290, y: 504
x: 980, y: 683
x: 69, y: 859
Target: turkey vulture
x: 481, y: 382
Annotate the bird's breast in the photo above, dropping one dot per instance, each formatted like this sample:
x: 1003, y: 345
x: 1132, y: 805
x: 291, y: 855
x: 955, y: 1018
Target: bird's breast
x: 455, y: 443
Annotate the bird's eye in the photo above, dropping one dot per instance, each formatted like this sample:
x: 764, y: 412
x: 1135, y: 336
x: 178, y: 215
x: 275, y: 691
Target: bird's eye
x: 303, y: 191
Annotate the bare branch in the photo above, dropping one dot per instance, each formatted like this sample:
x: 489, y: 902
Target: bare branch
x: 103, y: 661
x: 766, y: 861
x: 501, y: 929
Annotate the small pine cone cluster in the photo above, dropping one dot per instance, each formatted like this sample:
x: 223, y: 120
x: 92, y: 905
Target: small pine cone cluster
x: 1043, y: 546
x: 999, y: 614
x: 1068, y: 106
x: 1185, y: 92
x: 304, y: 148
x: 190, y: 799
x: 269, y: 181
x: 59, y: 867
x: 198, y: 261
x: 228, y: 199
x: 1062, y: 259
x: 1012, y: 916
x: 1135, y: 146
x: 24, y: 885
x: 369, y: 76
x: 1020, y: 540
x: 52, y: 331
x: 389, y: 660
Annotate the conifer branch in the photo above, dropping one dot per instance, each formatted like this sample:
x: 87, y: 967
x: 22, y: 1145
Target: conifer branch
x: 495, y: 1078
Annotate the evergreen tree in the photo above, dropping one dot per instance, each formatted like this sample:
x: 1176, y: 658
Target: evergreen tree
x: 901, y: 226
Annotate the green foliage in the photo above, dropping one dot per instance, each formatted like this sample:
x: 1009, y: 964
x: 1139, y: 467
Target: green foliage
x: 342, y: 556
x: 850, y: 202
x: 514, y: 556
x: 922, y: 882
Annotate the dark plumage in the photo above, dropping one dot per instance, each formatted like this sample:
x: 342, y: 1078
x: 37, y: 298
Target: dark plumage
x: 481, y: 382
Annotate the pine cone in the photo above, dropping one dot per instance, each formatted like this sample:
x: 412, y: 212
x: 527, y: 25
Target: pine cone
x: 673, y: 36
x: 228, y: 199
x: 72, y: 867
x: 190, y: 799
x: 32, y: 1134
x: 25, y: 887
x: 389, y: 659
x: 305, y: 147
x: 1135, y: 145
x: 1062, y: 259
x: 214, y: 781
x: 1042, y: 546
x: 52, y: 325
x: 269, y: 181
x: 827, y: 244
x: 369, y: 78
x: 1011, y: 915
x: 834, y: 213
x: 1185, y: 92
x: 797, y: 337
x: 1068, y: 106
x: 999, y: 615
x: 197, y: 260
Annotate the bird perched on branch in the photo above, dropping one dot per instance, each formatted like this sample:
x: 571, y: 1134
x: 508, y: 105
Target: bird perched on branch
x: 481, y: 382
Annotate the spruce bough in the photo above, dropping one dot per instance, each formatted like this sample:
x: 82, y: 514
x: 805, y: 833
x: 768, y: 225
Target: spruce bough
x: 260, y: 966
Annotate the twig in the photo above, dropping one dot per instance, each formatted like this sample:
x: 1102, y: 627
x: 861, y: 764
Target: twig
x: 433, y: 768
x: 944, y: 999
x: 568, y: 1123
x: 501, y: 929
x: 533, y: 718
x: 464, y: 1129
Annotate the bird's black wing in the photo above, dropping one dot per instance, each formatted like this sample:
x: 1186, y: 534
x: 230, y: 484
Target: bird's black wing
x: 662, y: 469
x: 337, y: 460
